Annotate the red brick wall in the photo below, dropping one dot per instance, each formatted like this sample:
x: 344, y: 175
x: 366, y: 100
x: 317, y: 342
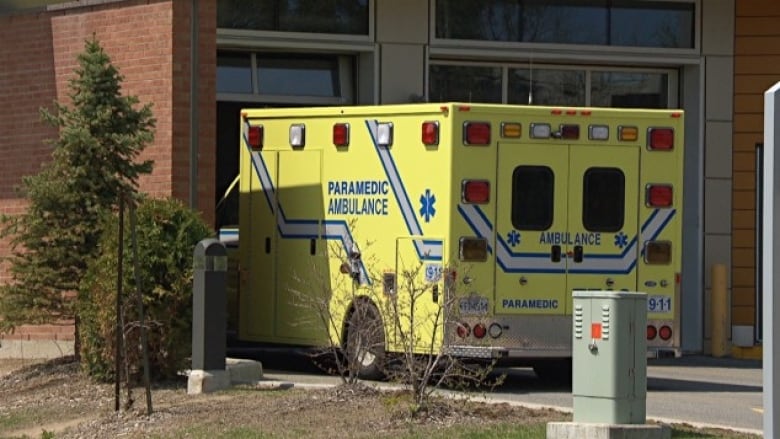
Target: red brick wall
x: 149, y: 42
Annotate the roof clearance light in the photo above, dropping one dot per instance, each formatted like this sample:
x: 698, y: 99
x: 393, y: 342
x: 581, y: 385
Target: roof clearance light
x: 511, y: 130
x: 658, y: 252
x: 341, y: 134
x: 255, y: 137
x: 598, y: 132
x: 472, y: 249
x: 569, y: 131
x: 660, y: 139
x: 628, y: 134
x: 384, y: 134
x: 541, y: 130
x: 430, y: 133
x: 476, y: 133
x: 475, y: 191
x: 659, y: 195
x: 297, y: 135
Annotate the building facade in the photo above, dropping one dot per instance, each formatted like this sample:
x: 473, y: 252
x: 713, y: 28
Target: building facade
x: 199, y: 62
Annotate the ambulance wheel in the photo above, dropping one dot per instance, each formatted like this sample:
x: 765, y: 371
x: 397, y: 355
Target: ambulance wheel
x: 365, y: 342
x: 557, y: 371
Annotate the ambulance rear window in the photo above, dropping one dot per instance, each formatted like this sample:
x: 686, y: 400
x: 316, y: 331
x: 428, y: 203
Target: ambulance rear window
x: 603, y: 199
x: 532, y: 197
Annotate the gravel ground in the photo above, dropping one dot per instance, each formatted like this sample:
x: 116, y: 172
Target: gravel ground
x: 55, y: 398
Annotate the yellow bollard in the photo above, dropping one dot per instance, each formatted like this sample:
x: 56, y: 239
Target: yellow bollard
x: 719, y: 311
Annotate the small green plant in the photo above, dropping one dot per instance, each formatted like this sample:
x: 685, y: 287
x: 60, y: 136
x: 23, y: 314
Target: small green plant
x: 47, y: 434
x: 167, y: 232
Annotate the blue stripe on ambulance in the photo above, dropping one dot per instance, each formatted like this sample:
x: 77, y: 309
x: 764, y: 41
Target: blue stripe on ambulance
x: 427, y: 250
x: 300, y: 228
x: 511, y: 262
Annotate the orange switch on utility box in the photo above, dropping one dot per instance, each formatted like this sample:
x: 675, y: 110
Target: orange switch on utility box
x: 595, y: 331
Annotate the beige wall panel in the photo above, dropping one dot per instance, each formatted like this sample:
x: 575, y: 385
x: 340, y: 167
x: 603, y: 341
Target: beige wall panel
x: 717, y: 250
x: 717, y: 161
x: 402, y: 21
x: 717, y: 27
x: 719, y: 87
x: 717, y: 208
x: 402, y: 73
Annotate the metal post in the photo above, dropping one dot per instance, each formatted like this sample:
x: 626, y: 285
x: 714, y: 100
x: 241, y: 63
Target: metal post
x: 770, y: 265
x: 209, y: 305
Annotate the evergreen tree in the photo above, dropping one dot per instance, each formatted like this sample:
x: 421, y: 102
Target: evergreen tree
x: 101, y: 134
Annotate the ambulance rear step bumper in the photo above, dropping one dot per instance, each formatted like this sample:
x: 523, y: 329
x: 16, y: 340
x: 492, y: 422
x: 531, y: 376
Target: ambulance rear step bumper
x: 502, y: 353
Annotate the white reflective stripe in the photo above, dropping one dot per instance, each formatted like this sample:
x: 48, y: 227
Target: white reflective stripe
x: 425, y: 250
x: 300, y: 228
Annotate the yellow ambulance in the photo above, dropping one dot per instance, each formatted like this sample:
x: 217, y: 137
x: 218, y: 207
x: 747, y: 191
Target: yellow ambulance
x: 536, y: 201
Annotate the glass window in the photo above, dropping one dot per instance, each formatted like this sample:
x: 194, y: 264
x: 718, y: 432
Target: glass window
x: 595, y: 22
x: 234, y: 73
x: 532, y: 197
x: 319, y: 16
x: 546, y: 87
x: 629, y: 90
x: 465, y: 84
x: 603, y: 199
x: 291, y: 76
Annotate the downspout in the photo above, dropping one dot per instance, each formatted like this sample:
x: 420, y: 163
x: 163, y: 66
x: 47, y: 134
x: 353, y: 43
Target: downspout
x: 194, y: 121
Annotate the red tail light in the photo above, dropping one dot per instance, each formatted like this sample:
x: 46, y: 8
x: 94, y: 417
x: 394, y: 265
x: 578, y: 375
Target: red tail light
x: 665, y: 333
x: 476, y: 191
x: 660, y: 139
x: 651, y: 332
x: 463, y: 330
x: 476, y: 133
x: 430, y: 133
x: 255, y: 137
x: 659, y: 195
x: 480, y: 330
x: 341, y: 134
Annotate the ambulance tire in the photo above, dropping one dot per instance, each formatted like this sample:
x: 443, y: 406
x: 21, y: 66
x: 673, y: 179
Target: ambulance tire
x: 556, y: 371
x: 365, y: 341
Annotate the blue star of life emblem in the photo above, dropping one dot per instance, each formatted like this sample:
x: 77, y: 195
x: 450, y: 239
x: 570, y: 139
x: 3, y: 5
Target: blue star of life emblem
x: 427, y: 210
x: 513, y: 238
x: 621, y: 240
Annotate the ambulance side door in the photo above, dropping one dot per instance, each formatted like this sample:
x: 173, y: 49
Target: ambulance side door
x: 531, y: 191
x: 603, y: 230
x: 258, y: 243
x: 300, y: 262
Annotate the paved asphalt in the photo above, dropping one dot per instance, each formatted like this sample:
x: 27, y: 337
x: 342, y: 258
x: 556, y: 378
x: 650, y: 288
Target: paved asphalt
x: 698, y: 390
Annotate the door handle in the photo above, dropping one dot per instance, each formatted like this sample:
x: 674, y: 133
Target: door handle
x: 267, y: 245
x: 577, y: 253
x: 555, y: 253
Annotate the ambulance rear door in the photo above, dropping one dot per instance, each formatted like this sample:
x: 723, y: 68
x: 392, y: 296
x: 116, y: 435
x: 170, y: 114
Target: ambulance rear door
x: 566, y: 220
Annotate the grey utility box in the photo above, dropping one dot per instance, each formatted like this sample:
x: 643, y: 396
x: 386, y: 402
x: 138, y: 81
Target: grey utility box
x: 609, y: 358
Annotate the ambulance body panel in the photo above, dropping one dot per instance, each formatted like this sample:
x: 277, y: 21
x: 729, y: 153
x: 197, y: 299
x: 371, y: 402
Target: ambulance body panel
x: 562, y: 199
